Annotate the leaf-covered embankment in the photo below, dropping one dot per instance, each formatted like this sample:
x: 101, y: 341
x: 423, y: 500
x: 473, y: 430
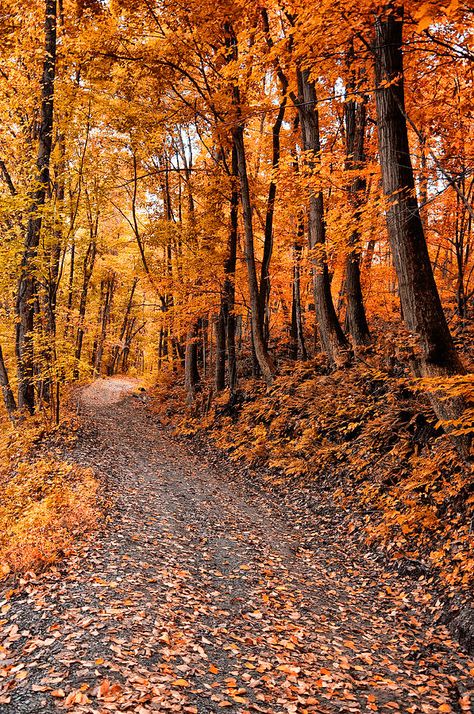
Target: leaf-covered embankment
x: 45, y: 501
x: 360, y: 439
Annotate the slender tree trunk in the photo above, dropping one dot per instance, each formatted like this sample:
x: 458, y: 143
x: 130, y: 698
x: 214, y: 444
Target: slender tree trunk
x: 220, y: 351
x: 104, y: 319
x: 369, y: 254
x: 56, y: 249
x: 298, y: 344
x: 229, y: 269
x: 89, y: 261
x: 50, y: 293
x: 130, y: 334
x: 265, y: 361
x: 191, y: 372
x: 8, y: 398
x: 332, y: 337
x: 123, y: 331
x: 70, y: 287
x: 225, y: 328
x: 264, y: 292
x: 7, y: 178
x: 27, y: 283
x: 355, y: 120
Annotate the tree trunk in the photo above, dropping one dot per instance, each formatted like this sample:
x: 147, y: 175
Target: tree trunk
x: 420, y: 301
x: 27, y: 283
x: 229, y: 287
x: 191, y: 372
x: 225, y: 328
x: 108, y: 288
x: 70, y: 287
x: 130, y: 334
x: 264, y: 292
x: 89, y: 261
x: 8, y: 398
x: 49, y: 295
x: 419, y: 298
x: 355, y: 121
x: 298, y: 345
x: 220, y: 351
x: 265, y: 361
x: 332, y: 337
x: 118, y: 349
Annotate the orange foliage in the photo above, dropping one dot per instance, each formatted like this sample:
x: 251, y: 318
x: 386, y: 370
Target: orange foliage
x: 45, y: 502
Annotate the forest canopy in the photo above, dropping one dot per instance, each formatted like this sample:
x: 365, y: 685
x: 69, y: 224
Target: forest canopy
x: 227, y: 187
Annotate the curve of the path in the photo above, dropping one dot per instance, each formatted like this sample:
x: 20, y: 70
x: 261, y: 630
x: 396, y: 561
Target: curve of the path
x: 197, y: 597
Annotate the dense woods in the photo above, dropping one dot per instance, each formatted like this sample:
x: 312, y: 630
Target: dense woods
x: 258, y: 219
x: 204, y: 194
x: 222, y: 189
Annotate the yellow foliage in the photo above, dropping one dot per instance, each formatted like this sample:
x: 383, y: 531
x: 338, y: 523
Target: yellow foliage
x: 45, y: 503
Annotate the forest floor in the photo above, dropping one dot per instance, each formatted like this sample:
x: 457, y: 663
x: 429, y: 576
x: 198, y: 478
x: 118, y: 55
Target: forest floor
x: 202, y: 593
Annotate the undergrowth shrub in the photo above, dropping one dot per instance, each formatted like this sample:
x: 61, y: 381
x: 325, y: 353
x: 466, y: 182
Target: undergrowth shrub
x: 45, y: 502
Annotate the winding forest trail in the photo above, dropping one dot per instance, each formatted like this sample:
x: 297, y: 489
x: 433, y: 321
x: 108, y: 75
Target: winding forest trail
x: 198, y: 596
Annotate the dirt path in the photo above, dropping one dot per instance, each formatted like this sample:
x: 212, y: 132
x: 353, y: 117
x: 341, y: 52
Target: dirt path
x: 198, y: 598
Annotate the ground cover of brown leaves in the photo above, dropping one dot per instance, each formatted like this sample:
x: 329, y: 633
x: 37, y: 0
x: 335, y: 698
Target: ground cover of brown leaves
x: 205, y: 594
x: 367, y: 438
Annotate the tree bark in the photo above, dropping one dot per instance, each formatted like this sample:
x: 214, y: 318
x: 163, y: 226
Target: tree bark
x: 89, y: 261
x: 118, y: 349
x: 265, y: 361
x: 355, y: 121
x: 107, y: 290
x: 264, y: 292
x: 27, y: 284
x: 419, y: 297
x: 298, y: 344
x: 333, y: 340
x: 226, y: 320
x: 229, y: 269
x: 8, y: 398
x: 191, y: 372
x: 220, y: 351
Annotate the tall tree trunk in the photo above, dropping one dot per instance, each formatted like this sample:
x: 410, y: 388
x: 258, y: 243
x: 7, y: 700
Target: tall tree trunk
x: 8, y: 398
x: 89, y: 261
x: 108, y: 288
x: 130, y: 334
x: 420, y: 301
x: 332, y: 337
x: 355, y: 120
x: 118, y: 349
x: 220, y: 351
x: 226, y: 320
x: 298, y: 344
x: 264, y: 292
x: 27, y: 283
x: 265, y: 361
x: 70, y: 286
x: 191, y: 372
x: 229, y: 269
x: 49, y: 295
